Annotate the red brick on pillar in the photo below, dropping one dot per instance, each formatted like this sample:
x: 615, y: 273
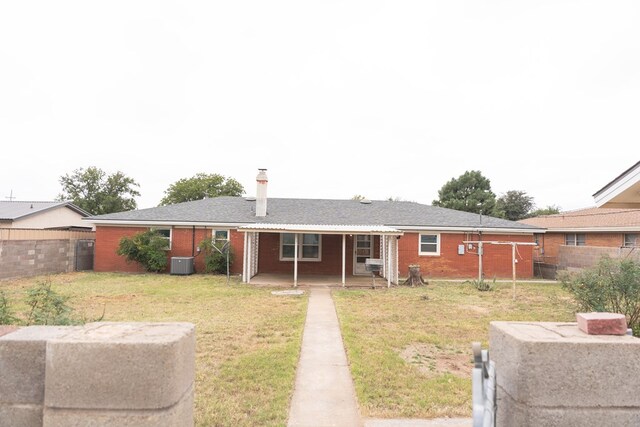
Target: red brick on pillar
x: 602, y: 323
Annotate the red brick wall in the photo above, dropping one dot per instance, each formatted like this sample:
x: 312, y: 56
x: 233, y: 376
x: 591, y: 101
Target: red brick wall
x: 496, y: 260
x: 237, y: 246
x: 184, y: 242
x: 107, y: 240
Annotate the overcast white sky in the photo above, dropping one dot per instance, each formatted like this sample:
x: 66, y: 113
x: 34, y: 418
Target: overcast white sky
x: 335, y: 98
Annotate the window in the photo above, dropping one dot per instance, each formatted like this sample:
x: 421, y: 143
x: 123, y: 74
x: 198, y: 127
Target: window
x: 309, y: 247
x: 166, y: 233
x: 631, y: 240
x: 429, y: 244
x: 220, y: 235
x: 575, y: 239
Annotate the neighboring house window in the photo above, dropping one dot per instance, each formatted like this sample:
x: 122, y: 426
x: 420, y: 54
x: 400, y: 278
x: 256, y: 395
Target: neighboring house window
x: 429, y: 244
x: 631, y: 240
x: 309, y: 247
x: 166, y: 233
x: 575, y: 239
x: 220, y: 236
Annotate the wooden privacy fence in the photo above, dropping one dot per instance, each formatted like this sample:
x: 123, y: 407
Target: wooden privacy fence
x: 39, y: 234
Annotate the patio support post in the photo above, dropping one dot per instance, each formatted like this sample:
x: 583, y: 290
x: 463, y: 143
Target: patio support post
x: 389, y: 263
x: 249, y: 257
x: 295, y: 261
x: 244, y: 259
x: 344, y: 250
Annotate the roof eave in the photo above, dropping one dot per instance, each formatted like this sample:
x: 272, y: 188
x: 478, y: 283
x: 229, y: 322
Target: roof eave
x: 156, y: 223
x: 467, y: 229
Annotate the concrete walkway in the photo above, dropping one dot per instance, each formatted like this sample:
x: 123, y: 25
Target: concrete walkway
x: 324, y: 394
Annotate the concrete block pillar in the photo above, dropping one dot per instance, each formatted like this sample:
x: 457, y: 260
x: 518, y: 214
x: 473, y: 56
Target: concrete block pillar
x: 100, y: 374
x: 126, y: 374
x: 551, y: 374
x: 22, y: 373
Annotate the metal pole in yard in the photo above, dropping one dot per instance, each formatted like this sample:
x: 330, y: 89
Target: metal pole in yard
x: 480, y: 261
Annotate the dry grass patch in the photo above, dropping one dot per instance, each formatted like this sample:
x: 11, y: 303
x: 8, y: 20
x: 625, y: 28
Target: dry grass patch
x: 410, y: 348
x: 248, y: 340
x: 432, y: 360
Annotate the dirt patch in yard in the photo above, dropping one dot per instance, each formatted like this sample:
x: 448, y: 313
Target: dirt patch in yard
x: 432, y: 360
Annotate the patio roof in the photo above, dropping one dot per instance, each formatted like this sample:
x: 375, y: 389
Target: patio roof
x: 322, y: 229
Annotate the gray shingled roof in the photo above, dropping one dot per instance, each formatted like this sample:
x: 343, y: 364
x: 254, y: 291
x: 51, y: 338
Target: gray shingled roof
x: 311, y: 211
x: 13, y: 210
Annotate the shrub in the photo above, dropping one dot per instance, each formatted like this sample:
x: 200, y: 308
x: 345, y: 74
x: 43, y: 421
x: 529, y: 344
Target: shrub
x: 147, y: 248
x: 482, y: 285
x: 610, y: 286
x: 6, y: 314
x: 215, y: 259
x: 47, y: 307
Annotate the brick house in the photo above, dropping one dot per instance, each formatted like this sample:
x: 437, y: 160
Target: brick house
x: 578, y: 239
x: 324, y: 237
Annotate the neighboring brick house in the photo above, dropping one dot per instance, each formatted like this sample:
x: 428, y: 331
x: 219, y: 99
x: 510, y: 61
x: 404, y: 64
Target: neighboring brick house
x: 328, y: 237
x: 578, y: 239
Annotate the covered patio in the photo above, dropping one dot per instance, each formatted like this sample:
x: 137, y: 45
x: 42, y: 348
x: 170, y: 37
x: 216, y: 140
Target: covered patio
x: 388, y: 251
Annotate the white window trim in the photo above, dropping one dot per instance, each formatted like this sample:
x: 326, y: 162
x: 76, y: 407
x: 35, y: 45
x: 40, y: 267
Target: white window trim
x: 438, y: 242
x: 624, y: 240
x: 300, y: 258
x: 213, y: 235
x: 170, y: 234
x: 575, y: 239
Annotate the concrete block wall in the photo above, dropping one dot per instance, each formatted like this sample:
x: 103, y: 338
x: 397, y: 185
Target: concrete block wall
x: 23, y: 258
x: 552, y: 374
x: 100, y: 374
x: 579, y: 257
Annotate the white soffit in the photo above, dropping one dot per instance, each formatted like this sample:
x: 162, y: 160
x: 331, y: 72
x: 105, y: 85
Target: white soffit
x: 622, y: 192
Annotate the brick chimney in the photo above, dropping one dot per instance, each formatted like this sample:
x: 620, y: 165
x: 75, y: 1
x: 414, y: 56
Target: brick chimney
x: 261, y: 193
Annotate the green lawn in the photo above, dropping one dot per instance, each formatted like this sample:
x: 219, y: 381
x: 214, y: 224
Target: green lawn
x: 248, y: 340
x: 410, y: 348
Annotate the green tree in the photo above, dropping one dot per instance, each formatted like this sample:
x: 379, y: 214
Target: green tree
x: 513, y: 205
x: 147, y: 248
x: 549, y: 210
x: 96, y: 192
x: 471, y: 192
x: 200, y: 186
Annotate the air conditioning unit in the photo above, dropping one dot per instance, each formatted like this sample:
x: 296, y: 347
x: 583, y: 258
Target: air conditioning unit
x: 182, y: 265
